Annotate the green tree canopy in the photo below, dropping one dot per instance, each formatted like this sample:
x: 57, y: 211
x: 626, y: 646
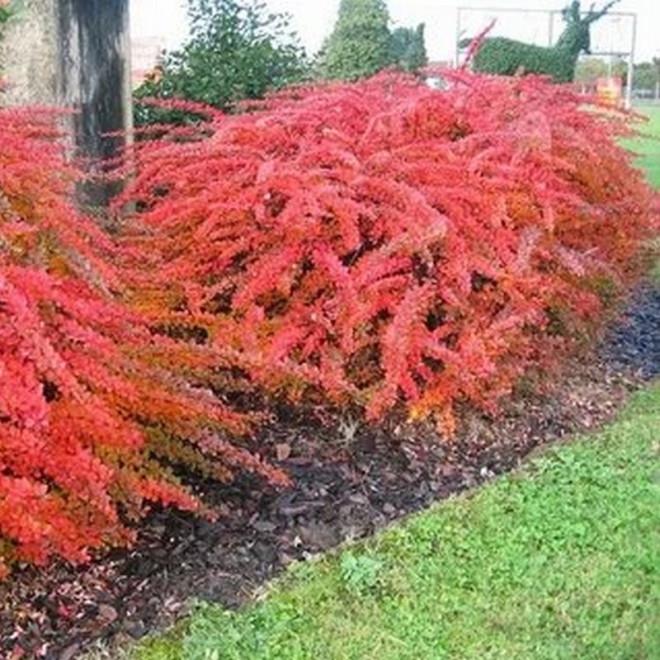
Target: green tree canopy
x: 589, y: 69
x: 6, y: 12
x: 408, y: 48
x: 647, y: 75
x: 237, y: 50
x: 359, y: 45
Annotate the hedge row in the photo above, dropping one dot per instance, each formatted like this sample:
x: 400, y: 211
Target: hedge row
x: 94, y: 408
x: 379, y: 246
x: 383, y: 243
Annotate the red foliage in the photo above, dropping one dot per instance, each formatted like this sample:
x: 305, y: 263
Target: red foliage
x: 93, y: 406
x: 373, y: 244
x: 383, y: 242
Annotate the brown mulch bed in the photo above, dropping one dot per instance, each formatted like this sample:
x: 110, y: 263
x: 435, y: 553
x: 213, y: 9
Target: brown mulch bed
x: 350, y: 480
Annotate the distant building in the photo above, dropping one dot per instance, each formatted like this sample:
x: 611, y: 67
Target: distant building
x: 145, y: 55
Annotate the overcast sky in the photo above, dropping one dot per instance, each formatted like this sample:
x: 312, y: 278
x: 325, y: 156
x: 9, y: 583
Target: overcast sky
x: 313, y: 20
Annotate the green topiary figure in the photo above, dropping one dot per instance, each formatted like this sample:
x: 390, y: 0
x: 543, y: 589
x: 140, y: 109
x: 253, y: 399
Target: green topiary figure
x: 359, y: 45
x: 509, y: 57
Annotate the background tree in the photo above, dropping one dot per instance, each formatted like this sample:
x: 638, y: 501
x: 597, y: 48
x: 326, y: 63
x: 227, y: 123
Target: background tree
x: 237, y: 50
x: 619, y: 69
x: 6, y: 12
x: 359, y: 45
x: 408, y: 48
x: 647, y: 75
x: 589, y: 69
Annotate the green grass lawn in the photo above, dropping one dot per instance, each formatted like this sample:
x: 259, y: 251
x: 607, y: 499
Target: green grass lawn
x: 560, y: 560
x: 649, y: 148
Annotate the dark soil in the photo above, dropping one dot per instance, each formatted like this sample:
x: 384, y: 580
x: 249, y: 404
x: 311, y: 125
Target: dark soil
x: 634, y: 344
x: 350, y: 480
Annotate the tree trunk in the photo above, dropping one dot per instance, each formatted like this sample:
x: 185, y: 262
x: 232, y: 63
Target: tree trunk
x: 74, y: 54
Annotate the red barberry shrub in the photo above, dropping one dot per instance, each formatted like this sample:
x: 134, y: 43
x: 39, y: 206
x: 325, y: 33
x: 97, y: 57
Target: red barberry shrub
x: 95, y: 410
x: 382, y: 243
